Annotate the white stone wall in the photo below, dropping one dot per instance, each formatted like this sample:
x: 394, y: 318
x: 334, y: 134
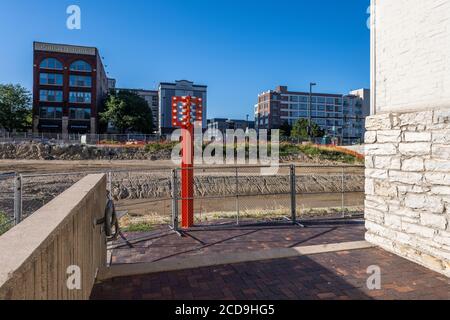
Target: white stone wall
x: 410, y: 55
x: 408, y: 185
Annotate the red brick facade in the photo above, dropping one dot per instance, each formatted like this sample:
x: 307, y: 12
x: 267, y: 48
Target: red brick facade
x: 67, y: 55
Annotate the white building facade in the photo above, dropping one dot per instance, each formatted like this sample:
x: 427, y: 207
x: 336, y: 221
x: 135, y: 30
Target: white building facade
x: 408, y: 134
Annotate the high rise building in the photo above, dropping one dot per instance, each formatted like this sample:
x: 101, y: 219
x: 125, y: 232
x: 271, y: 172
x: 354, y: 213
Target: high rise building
x: 341, y: 116
x: 69, y: 85
x: 178, y: 88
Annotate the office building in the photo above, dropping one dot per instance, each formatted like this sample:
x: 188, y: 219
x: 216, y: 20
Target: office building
x: 69, y: 85
x: 179, y: 88
x: 340, y: 116
x: 222, y: 125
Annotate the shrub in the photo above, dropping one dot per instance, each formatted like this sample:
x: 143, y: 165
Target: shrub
x: 5, y: 225
x: 331, y: 153
x: 159, y: 146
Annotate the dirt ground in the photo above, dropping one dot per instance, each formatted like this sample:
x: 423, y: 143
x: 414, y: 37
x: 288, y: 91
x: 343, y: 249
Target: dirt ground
x: 43, y: 166
x: 59, y: 166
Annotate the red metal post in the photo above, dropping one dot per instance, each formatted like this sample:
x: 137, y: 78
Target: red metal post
x: 186, y: 111
x: 187, y: 179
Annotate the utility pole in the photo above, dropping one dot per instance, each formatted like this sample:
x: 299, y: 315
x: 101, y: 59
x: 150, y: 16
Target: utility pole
x: 311, y: 85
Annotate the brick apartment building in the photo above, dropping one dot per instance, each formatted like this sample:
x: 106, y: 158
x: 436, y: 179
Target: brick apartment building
x: 341, y: 116
x: 69, y: 85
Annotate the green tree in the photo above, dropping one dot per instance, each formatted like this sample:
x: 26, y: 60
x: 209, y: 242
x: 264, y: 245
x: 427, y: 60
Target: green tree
x: 15, y: 107
x: 300, y: 129
x: 128, y: 112
x: 285, y: 130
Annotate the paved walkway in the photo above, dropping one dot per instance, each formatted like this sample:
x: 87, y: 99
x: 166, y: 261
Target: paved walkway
x: 340, y: 275
x: 163, y: 244
x: 330, y: 275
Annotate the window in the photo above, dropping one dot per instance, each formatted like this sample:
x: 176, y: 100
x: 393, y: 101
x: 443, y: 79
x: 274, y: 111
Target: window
x: 80, y: 113
x: 330, y: 100
x: 80, y: 66
x: 51, y: 96
x: 51, y: 63
x: 51, y: 112
x: 80, y: 97
x: 81, y: 81
x: 294, y: 98
x: 51, y: 79
x: 304, y: 99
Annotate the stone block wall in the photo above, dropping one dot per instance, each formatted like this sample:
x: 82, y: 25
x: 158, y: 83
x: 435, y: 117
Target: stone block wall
x: 408, y: 185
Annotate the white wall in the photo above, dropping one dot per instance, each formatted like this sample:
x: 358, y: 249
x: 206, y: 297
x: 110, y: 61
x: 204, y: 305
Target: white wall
x: 410, y: 55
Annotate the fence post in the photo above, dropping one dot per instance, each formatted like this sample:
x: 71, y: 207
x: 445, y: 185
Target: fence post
x: 293, y: 194
x: 174, y: 200
x: 238, y: 214
x: 343, y: 192
x: 110, y: 182
x: 17, y: 199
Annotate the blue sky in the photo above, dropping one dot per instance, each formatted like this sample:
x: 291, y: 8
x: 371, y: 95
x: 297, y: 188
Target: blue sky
x: 238, y: 48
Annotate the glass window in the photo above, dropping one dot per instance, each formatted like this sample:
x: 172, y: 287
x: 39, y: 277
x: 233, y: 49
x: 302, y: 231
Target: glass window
x: 330, y: 100
x: 81, y: 81
x: 51, y: 112
x: 321, y: 100
x: 80, y: 65
x: 294, y: 98
x: 51, y: 79
x: 303, y: 99
x: 51, y: 95
x: 80, y: 113
x: 51, y: 63
x: 80, y: 97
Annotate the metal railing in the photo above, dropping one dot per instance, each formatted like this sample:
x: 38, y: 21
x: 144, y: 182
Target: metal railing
x: 238, y: 195
x: 76, y: 138
x: 243, y: 195
x: 10, y: 201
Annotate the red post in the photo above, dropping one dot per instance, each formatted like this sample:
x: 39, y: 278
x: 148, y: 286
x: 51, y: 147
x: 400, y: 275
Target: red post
x: 187, y: 179
x: 186, y: 111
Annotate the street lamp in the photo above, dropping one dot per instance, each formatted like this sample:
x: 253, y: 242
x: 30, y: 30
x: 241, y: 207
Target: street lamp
x: 311, y: 85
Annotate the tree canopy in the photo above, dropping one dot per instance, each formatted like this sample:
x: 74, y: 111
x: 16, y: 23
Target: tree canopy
x: 15, y: 108
x: 128, y: 112
x: 285, y: 130
x: 300, y: 129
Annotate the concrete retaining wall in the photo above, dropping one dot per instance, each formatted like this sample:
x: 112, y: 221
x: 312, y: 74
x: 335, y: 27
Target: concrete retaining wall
x: 36, y: 254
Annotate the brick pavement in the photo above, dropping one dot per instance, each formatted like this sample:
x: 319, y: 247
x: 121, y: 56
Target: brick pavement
x: 162, y: 244
x: 336, y: 276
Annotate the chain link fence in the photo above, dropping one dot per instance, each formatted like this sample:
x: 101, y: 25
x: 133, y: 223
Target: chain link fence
x: 76, y: 138
x: 253, y: 195
x: 9, y: 201
x: 222, y: 195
